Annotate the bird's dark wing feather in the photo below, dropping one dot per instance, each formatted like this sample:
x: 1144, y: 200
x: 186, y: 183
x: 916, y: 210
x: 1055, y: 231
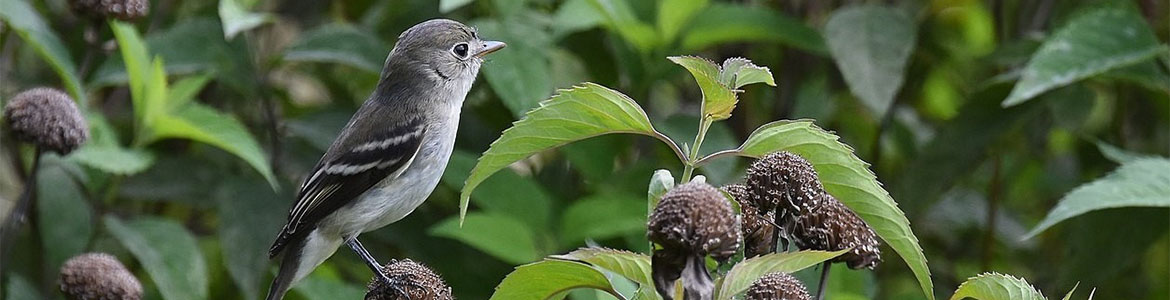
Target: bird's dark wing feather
x: 342, y: 176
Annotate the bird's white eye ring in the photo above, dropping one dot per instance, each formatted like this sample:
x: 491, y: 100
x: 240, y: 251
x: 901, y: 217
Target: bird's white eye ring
x: 460, y: 50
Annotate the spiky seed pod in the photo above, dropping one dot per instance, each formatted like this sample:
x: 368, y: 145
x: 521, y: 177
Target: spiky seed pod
x: 759, y: 234
x: 784, y: 181
x: 120, y: 9
x: 691, y: 221
x: 695, y: 218
x: 420, y: 282
x: 98, y: 276
x: 832, y: 227
x: 777, y: 286
x: 47, y: 118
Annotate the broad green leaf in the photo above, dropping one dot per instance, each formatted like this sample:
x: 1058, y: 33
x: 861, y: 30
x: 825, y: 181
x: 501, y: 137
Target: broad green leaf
x: 738, y: 72
x: 718, y: 99
x: 871, y: 45
x: 581, y: 112
x: 660, y: 182
x: 114, y: 160
x: 994, y: 286
x: 167, y: 251
x: 191, y: 45
x: 519, y: 74
x: 498, y: 235
x: 138, y: 69
x: 236, y: 18
x: 1119, y: 155
x: 446, y: 6
x: 1089, y: 44
x: 744, y: 273
x: 247, y: 225
x: 632, y: 266
x: 619, y: 17
x: 317, y: 287
x: 19, y: 288
x: 602, y: 217
x: 340, y: 43
x: 1143, y: 182
x: 185, y: 90
x: 544, y: 279
x: 673, y: 15
x: 201, y: 123
x: 575, y: 15
x: 65, y: 220
x: 849, y: 179
x: 27, y: 23
x: 725, y: 22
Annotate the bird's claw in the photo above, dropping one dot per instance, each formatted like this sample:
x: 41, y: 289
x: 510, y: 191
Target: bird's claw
x: 396, y: 284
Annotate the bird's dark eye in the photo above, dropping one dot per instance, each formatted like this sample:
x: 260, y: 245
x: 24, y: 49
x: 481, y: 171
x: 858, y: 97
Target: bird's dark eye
x: 460, y: 50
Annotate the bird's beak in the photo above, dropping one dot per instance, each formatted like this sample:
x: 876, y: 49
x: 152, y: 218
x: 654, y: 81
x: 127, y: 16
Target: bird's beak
x: 489, y: 47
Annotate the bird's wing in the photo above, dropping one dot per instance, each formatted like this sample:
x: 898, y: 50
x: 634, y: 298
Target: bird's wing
x: 350, y: 169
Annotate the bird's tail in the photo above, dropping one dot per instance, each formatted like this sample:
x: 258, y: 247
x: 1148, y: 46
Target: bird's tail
x: 288, y: 269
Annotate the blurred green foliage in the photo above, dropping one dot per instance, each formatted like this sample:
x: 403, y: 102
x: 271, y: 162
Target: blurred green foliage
x: 978, y: 116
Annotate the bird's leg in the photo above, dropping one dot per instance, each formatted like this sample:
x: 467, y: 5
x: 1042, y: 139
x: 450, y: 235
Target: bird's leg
x: 357, y: 247
x: 824, y: 280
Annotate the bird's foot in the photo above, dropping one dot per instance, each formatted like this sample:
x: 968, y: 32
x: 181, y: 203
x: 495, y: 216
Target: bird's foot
x: 397, y: 284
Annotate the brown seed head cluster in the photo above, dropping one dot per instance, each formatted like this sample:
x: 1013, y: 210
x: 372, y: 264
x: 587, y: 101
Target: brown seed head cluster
x: 98, y: 276
x: 121, y: 9
x: 695, y: 218
x: 413, y: 278
x: 47, y: 118
x: 834, y: 227
x: 777, y: 286
x: 805, y: 213
x: 759, y: 233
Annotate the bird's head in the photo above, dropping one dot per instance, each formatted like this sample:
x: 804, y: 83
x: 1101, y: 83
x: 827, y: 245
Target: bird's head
x: 440, y: 50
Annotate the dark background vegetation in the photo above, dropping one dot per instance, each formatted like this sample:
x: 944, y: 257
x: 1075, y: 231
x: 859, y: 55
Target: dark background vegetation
x: 972, y: 176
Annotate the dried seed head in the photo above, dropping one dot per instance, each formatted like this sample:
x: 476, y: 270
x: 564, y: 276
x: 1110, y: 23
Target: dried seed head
x: 783, y: 181
x: 759, y: 234
x: 98, y: 276
x: 122, y: 9
x: 47, y: 118
x: 695, y: 218
x: 411, y: 277
x: 777, y: 286
x: 832, y: 227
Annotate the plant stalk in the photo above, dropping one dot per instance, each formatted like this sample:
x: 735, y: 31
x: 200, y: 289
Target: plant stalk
x: 693, y: 156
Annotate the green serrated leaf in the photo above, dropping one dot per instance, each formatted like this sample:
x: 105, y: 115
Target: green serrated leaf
x: 849, y: 179
x: 191, y: 45
x: 27, y: 23
x: 185, y: 90
x: 744, y: 273
x: 1142, y: 182
x: 871, y: 45
x: 582, y: 112
x: 236, y: 18
x: 1090, y: 44
x: 718, y: 99
x: 168, y: 252
x: 498, y: 235
x: 544, y: 279
x: 340, y: 43
x: 201, y: 123
x: 725, y: 23
x: 137, y: 61
x: 1119, y: 155
x: 632, y: 266
x: 738, y: 72
x: 994, y: 286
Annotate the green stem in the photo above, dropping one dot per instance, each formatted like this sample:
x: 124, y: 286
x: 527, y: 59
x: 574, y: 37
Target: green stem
x: 693, y: 156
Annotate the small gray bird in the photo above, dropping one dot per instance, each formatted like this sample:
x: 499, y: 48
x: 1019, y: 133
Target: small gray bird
x: 390, y: 155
